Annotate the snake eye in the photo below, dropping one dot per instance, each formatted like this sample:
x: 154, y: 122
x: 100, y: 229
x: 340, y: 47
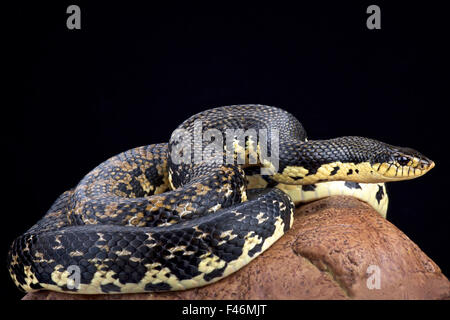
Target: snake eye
x: 402, y: 160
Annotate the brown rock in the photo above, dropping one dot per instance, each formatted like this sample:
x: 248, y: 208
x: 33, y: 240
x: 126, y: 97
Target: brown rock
x: 325, y: 255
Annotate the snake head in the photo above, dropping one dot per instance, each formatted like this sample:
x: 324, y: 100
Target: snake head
x: 398, y: 163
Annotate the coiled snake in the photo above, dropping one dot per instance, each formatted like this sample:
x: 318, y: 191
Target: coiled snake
x: 160, y: 217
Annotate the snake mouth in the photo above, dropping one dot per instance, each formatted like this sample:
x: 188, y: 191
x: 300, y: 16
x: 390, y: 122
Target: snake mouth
x: 404, y: 168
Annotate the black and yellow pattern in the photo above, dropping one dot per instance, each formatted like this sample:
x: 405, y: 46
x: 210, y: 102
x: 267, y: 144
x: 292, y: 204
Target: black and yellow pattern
x: 141, y: 222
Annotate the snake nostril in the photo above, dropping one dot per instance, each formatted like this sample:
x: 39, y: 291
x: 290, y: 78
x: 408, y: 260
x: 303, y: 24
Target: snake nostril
x: 425, y: 163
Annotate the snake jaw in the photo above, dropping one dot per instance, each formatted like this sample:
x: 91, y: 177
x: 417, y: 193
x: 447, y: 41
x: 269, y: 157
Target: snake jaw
x: 403, y: 167
x: 394, y: 163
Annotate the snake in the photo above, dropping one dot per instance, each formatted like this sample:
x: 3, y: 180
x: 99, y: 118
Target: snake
x: 191, y: 211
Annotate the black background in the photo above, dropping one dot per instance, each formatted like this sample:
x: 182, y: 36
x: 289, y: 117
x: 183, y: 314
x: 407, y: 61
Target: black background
x: 133, y: 73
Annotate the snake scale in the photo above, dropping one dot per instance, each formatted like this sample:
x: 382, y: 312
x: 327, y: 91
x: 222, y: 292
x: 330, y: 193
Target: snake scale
x: 143, y: 222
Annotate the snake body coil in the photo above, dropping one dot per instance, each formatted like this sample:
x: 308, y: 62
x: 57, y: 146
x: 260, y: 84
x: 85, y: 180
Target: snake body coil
x: 142, y: 221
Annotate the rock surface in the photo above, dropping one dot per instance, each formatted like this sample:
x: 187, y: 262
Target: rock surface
x: 326, y: 255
